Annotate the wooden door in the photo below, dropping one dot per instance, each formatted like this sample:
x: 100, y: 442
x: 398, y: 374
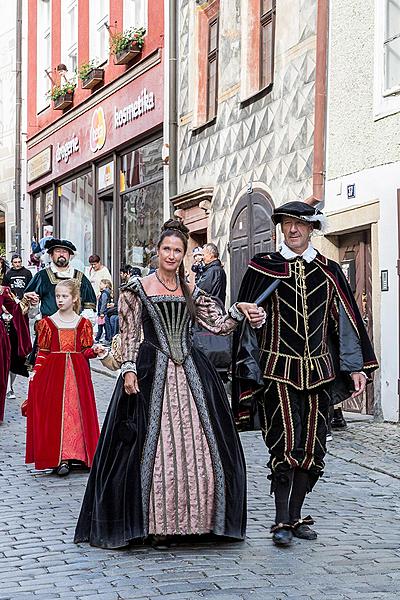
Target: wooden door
x: 251, y: 232
x: 355, y: 252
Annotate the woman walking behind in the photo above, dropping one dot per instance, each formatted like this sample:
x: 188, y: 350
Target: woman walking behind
x: 169, y: 460
x: 62, y: 418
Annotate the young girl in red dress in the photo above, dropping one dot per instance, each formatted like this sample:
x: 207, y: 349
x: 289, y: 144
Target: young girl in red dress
x: 62, y: 419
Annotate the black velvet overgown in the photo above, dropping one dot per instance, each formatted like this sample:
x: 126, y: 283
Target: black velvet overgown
x: 115, y: 508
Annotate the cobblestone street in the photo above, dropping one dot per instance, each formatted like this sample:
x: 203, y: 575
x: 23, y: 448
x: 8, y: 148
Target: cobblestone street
x: 356, y: 507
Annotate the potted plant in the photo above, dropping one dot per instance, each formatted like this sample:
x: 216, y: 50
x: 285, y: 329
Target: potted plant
x: 90, y: 74
x: 127, y: 44
x: 62, y: 95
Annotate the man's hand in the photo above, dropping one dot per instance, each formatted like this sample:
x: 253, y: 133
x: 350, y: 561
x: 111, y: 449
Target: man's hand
x: 131, y: 383
x: 253, y: 313
x: 360, y: 383
x: 32, y: 297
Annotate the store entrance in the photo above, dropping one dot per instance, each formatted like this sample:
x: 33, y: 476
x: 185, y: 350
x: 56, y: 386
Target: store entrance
x: 107, y: 238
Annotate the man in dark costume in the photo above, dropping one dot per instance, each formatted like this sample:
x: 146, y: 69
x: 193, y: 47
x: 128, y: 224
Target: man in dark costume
x: 42, y: 286
x: 313, y: 350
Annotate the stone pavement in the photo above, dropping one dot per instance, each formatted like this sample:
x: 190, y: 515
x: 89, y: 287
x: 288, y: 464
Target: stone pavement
x: 356, y: 507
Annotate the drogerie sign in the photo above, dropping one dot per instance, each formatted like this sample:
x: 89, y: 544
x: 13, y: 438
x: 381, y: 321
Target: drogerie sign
x: 143, y: 104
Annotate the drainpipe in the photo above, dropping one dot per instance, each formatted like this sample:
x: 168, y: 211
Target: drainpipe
x: 173, y: 111
x: 320, y: 102
x: 18, y: 113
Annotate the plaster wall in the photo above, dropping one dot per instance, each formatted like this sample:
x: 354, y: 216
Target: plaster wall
x: 376, y: 186
x: 357, y: 139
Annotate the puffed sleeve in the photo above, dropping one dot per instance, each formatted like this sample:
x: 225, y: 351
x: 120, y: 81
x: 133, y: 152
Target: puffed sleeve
x: 86, y: 334
x: 130, y: 326
x: 43, y: 335
x: 212, y: 316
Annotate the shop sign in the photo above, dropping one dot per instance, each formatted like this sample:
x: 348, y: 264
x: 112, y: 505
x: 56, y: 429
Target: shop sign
x: 98, y: 130
x: 143, y: 104
x: 105, y: 176
x: 39, y: 165
x: 66, y: 150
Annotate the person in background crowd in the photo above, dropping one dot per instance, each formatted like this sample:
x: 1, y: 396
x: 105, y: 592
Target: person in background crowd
x: 198, y: 264
x: 153, y: 264
x: 111, y: 323
x: 17, y: 277
x: 3, y: 268
x: 314, y: 351
x: 213, y: 278
x: 62, y: 424
x: 15, y: 343
x: 97, y: 272
x: 38, y: 248
x: 41, y: 287
x: 102, y: 303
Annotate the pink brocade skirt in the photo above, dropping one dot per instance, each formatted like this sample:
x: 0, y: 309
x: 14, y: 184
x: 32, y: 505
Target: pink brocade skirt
x: 182, y: 492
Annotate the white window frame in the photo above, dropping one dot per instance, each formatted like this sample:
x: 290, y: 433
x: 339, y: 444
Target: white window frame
x: 129, y: 20
x: 43, y: 32
x: 386, y: 102
x: 97, y: 22
x: 69, y: 47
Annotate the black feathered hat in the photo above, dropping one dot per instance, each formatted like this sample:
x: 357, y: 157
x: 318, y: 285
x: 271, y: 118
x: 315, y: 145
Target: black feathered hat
x: 299, y: 210
x: 56, y: 243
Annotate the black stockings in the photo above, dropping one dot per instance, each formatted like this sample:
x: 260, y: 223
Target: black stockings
x: 290, y: 491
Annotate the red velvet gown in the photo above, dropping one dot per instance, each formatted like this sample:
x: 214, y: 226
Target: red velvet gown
x: 62, y: 418
x: 22, y: 341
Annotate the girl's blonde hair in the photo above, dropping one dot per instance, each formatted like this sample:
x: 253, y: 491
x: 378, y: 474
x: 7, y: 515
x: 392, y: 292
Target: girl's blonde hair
x: 74, y: 288
x: 107, y: 283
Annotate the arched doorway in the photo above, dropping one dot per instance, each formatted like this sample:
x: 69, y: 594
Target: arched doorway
x: 251, y: 231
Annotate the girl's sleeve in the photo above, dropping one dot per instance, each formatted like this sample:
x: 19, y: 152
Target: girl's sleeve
x: 212, y: 316
x: 43, y: 335
x: 130, y: 325
x: 87, y: 340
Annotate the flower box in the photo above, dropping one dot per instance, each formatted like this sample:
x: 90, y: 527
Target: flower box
x: 126, y: 56
x: 64, y: 101
x: 92, y: 79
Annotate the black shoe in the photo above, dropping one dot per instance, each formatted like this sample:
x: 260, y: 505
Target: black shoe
x: 301, y: 529
x: 338, y: 420
x: 63, y: 469
x: 161, y: 542
x: 282, y: 534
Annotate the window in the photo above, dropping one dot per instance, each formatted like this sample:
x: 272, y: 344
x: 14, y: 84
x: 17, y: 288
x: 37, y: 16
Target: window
x: 76, y: 206
x: 392, y: 47
x: 135, y: 13
x: 43, y: 49
x: 212, y: 69
x: 69, y: 34
x: 267, y: 24
x: 99, y: 37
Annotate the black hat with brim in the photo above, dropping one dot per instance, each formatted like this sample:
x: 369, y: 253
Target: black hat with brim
x: 56, y: 243
x: 299, y: 210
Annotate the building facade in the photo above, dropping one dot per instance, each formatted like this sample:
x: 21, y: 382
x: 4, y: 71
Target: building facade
x: 246, y: 94
x: 363, y: 177
x: 95, y: 169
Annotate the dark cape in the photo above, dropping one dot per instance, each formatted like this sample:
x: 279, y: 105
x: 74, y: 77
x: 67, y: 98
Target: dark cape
x: 115, y: 509
x: 248, y: 367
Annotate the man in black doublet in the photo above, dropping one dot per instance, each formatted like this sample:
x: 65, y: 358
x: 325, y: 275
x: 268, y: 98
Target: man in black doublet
x: 313, y: 350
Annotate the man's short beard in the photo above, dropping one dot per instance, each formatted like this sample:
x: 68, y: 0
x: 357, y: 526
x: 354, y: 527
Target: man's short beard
x: 64, y: 263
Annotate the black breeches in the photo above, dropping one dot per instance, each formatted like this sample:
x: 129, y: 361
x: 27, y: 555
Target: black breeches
x: 294, y: 424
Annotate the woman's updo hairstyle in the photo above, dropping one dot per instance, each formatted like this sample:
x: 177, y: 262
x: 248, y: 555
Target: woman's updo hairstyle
x: 175, y: 228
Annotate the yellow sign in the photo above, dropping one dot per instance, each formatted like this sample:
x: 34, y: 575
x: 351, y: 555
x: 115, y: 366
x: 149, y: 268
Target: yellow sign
x: 98, y: 130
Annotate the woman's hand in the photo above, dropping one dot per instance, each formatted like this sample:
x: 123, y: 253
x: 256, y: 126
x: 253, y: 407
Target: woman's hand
x: 253, y: 313
x: 131, y: 384
x: 98, y: 349
x: 32, y: 297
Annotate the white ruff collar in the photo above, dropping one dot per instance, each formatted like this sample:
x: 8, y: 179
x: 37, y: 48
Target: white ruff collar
x: 308, y: 255
x: 67, y: 274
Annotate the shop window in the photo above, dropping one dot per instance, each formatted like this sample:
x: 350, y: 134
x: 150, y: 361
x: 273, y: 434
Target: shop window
x: 43, y: 49
x: 69, y: 34
x: 141, y: 177
x: 135, y: 13
x: 257, y: 47
x: 99, y: 36
x: 76, y: 206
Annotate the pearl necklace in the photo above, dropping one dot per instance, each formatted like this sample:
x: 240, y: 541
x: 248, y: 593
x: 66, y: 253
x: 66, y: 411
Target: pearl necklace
x: 64, y: 320
x: 164, y: 285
